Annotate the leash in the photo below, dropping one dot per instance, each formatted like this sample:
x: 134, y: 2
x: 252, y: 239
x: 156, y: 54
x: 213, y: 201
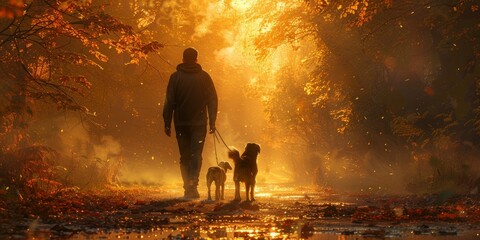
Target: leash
x: 218, y: 137
x: 215, y: 147
x: 221, y: 138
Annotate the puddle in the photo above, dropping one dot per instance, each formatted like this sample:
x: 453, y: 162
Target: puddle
x: 269, y: 229
x: 278, y: 214
x: 244, y: 232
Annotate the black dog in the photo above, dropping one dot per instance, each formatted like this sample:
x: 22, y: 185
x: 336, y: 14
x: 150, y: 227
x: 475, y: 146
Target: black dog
x: 245, y: 170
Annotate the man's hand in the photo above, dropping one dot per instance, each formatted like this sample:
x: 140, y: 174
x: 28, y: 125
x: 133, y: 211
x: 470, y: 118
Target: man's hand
x: 212, y: 129
x: 168, y: 131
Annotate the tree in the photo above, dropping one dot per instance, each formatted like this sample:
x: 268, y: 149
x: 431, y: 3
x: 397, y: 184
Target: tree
x: 45, y: 44
x: 407, y: 69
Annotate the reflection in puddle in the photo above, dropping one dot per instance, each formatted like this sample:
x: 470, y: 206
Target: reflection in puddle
x: 245, y: 232
x: 279, y: 213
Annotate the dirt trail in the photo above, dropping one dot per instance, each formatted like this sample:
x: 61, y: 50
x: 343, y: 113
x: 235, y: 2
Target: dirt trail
x: 279, y: 212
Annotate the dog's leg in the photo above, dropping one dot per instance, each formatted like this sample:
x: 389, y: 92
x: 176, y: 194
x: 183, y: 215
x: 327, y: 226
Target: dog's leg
x: 237, y: 191
x: 252, y: 191
x: 222, y: 189
x: 209, y: 184
x: 247, y: 190
x: 217, y: 191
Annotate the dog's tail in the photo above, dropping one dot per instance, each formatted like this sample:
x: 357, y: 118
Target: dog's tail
x: 233, y: 153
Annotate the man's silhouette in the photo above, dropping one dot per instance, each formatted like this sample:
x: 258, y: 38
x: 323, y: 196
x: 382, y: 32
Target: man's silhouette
x: 190, y: 93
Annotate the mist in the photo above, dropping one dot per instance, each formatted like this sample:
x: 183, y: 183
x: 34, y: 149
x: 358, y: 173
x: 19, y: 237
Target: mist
x: 333, y: 103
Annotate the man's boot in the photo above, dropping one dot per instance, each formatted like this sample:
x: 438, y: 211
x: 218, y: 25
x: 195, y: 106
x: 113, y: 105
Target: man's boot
x: 191, y: 191
x: 195, y: 193
x: 187, y: 193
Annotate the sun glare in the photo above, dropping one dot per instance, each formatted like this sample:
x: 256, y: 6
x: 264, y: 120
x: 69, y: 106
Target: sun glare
x: 242, y: 5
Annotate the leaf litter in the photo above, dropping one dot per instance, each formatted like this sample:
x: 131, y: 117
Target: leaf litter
x: 134, y: 212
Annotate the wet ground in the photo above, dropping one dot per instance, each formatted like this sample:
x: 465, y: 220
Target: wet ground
x: 278, y: 213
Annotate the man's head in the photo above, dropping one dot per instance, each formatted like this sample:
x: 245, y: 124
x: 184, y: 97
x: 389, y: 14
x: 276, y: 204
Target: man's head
x: 190, y: 55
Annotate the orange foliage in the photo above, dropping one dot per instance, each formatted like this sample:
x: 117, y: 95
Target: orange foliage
x: 12, y: 9
x: 44, y: 47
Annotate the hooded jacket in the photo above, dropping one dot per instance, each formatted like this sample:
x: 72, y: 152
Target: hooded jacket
x: 190, y: 94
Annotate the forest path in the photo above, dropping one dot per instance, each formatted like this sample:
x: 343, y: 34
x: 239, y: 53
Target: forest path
x: 279, y: 212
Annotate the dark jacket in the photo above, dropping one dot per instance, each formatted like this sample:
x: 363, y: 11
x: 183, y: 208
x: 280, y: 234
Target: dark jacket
x: 190, y: 93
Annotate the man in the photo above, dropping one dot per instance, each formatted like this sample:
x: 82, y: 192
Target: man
x: 190, y: 93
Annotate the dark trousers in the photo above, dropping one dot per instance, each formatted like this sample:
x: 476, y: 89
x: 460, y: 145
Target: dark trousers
x: 190, y: 143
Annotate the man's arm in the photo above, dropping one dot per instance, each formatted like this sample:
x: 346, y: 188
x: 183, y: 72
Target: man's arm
x: 169, y: 106
x: 212, y: 103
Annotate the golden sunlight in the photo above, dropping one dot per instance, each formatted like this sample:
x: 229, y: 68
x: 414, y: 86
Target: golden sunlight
x: 242, y: 5
x: 348, y: 122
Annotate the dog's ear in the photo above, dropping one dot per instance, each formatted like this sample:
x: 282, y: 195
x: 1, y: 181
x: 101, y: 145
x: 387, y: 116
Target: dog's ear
x: 228, y: 166
x: 253, y: 146
x: 225, y: 165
